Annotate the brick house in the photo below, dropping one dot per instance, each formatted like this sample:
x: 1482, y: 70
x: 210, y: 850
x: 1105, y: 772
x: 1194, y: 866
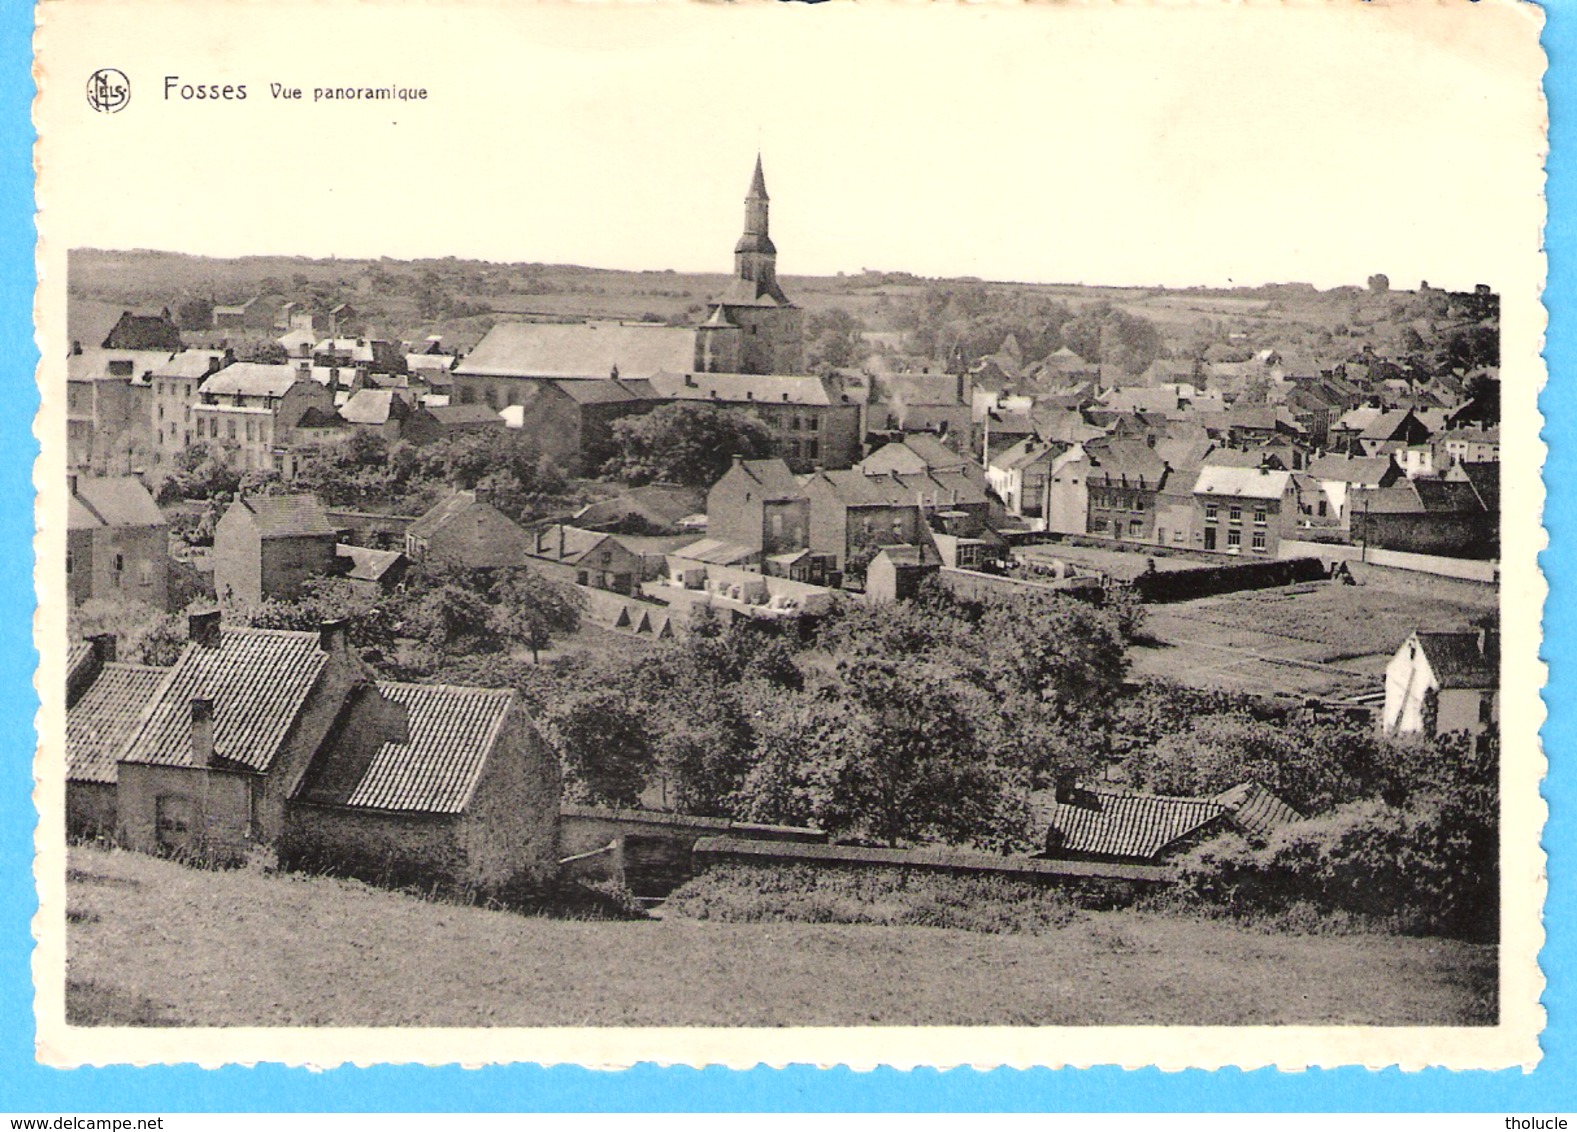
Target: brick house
x: 419, y: 783
x: 253, y: 409
x: 813, y: 421
x: 267, y: 545
x: 1244, y: 510
x: 100, y: 721
x: 226, y: 739
x: 467, y: 531
x: 1124, y: 481
x: 1442, y: 682
x: 586, y: 558
x: 761, y: 505
x: 428, y: 423
x: 117, y: 542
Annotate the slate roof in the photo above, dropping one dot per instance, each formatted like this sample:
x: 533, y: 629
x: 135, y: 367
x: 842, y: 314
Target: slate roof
x: 1388, y: 425
x: 1351, y: 469
x: 1247, y: 483
x: 372, y: 407
x: 606, y: 391
x: 915, y: 389
x: 1134, y: 826
x: 94, y: 365
x: 113, y: 501
x: 258, y: 680
x: 747, y: 388
x: 428, y: 763
x: 577, y: 543
x: 1026, y: 453
x: 315, y: 417
x: 287, y: 516
x: 1485, y: 478
x: 252, y: 379
x: 914, y: 453
x: 464, y: 414
x: 1457, y: 660
x: 1358, y: 420
x: 189, y: 364
x: 775, y: 478
x: 367, y: 564
x: 1445, y: 496
x: 99, y: 725
x: 1118, y: 461
x: 585, y: 350
x: 853, y: 488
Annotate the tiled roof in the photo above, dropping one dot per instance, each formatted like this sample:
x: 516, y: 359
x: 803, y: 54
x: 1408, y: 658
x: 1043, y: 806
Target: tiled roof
x: 366, y: 564
x: 1247, y: 483
x: 251, y: 379
x: 114, y: 501
x: 747, y: 388
x: 1136, y: 826
x: 427, y: 762
x: 587, y: 350
x: 1256, y: 810
x: 79, y: 654
x: 1458, y: 661
x: 258, y: 680
x: 288, y: 516
x: 99, y: 724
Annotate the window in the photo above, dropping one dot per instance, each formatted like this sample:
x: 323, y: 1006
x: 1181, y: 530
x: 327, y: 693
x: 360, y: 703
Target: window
x: 145, y: 573
x: 1322, y: 509
x: 172, y: 820
x: 120, y: 563
x: 1259, y: 516
x: 1235, y: 514
x: 251, y: 430
x: 230, y: 429
x: 161, y: 411
x: 795, y: 424
x: 71, y: 560
x: 1234, y: 537
x: 1259, y: 541
x: 813, y: 448
x: 1135, y: 528
x: 813, y: 423
x: 1210, y: 512
x: 467, y: 395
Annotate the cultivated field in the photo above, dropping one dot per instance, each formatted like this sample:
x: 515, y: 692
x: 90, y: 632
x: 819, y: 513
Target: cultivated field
x: 1322, y: 639
x: 153, y: 943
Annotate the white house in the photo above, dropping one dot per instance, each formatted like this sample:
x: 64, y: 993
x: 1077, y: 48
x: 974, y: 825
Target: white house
x: 1442, y: 682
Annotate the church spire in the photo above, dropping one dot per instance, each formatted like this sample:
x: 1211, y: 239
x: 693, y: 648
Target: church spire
x: 755, y: 257
x: 758, y: 183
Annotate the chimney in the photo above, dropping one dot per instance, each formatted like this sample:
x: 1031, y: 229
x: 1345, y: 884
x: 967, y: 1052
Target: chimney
x: 738, y: 460
x: 333, y: 636
x: 71, y: 482
x: 202, y: 629
x: 76, y: 348
x: 202, y: 733
x: 103, y: 647
x: 561, y: 542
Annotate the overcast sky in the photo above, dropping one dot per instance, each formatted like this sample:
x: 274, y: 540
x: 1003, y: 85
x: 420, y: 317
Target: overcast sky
x: 1127, y: 145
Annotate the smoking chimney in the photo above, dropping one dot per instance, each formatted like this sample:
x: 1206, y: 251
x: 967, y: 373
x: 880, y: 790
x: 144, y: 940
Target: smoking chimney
x: 202, y: 733
x: 202, y: 629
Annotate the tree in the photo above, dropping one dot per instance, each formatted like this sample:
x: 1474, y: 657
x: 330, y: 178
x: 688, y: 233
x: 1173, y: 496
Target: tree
x: 1379, y: 284
x: 832, y: 338
x: 603, y: 744
x: 685, y: 443
x: 532, y: 608
x: 143, y: 634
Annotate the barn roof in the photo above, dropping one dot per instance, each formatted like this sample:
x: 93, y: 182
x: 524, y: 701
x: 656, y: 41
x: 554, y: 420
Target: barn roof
x: 1255, y: 810
x: 258, y: 681
x: 409, y: 748
x: 99, y: 725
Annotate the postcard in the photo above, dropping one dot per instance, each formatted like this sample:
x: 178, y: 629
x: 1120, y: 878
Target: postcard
x: 841, y: 534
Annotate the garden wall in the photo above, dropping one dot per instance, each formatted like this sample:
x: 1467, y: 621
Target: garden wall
x: 1205, y: 581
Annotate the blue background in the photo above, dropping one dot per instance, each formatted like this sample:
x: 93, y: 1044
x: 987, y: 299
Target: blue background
x: 25, y: 1087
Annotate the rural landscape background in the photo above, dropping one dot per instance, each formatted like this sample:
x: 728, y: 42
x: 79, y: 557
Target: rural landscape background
x: 945, y: 722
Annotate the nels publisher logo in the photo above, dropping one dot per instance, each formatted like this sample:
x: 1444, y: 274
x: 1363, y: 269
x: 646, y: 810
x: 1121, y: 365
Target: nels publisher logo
x: 109, y: 90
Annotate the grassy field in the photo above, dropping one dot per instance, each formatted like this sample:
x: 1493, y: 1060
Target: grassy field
x: 1318, y: 640
x: 153, y: 943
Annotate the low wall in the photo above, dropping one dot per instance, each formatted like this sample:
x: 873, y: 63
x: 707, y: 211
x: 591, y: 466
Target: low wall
x: 973, y: 585
x: 649, y: 851
x: 1468, y: 569
x: 937, y: 860
x: 756, y: 588
x: 1205, y: 581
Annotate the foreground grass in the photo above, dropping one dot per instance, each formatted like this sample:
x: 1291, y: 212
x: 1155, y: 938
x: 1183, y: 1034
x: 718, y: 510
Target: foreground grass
x: 153, y: 943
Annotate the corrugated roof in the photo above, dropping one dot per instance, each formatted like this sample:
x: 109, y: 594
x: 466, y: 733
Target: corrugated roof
x: 251, y: 379
x: 114, y: 501
x: 1247, y: 483
x: 409, y: 748
x: 1458, y: 660
x: 1137, y: 826
x: 287, y: 516
x: 99, y: 725
x: 586, y: 350
x: 258, y: 681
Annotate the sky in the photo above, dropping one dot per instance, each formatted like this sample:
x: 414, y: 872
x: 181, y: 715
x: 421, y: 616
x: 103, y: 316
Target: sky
x: 1125, y: 144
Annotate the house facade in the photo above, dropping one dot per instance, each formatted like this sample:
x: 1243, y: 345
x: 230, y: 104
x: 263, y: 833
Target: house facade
x: 1244, y: 510
x: 466, y: 530
x: 266, y: 546
x: 252, y: 410
x: 1443, y: 682
x: 117, y: 542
